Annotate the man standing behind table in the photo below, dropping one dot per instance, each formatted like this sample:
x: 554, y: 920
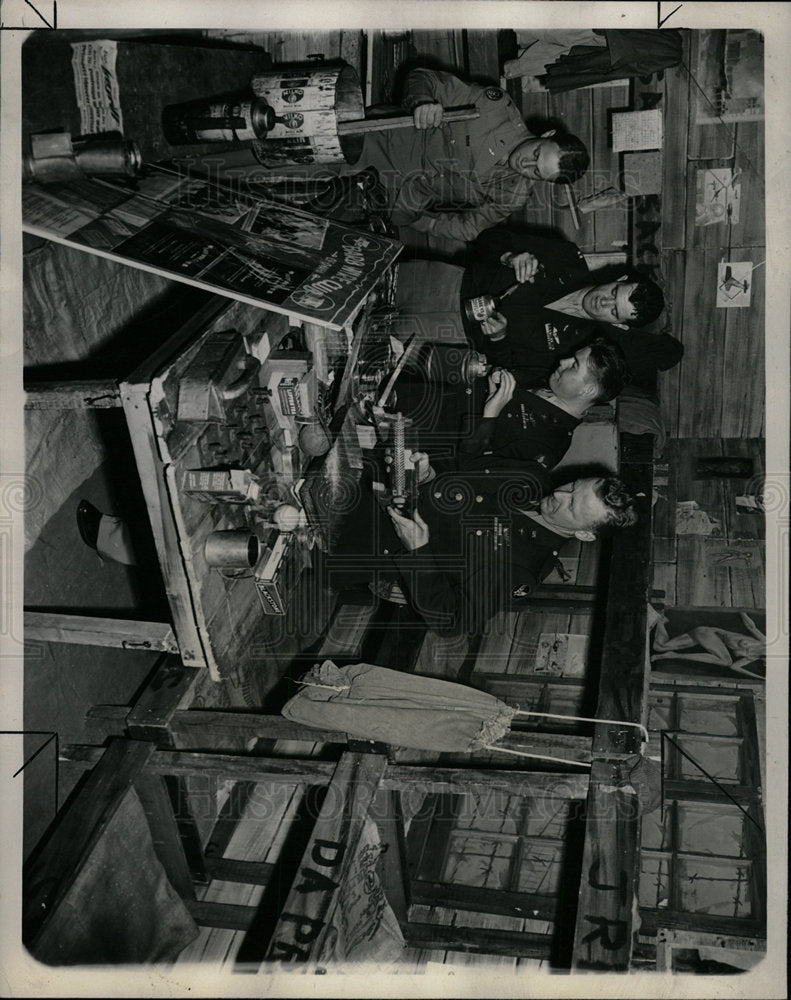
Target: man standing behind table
x: 477, y: 544
x: 454, y: 179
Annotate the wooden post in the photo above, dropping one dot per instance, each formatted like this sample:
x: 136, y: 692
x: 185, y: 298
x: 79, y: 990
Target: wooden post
x: 308, y: 909
x: 85, y: 394
x: 84, y: 630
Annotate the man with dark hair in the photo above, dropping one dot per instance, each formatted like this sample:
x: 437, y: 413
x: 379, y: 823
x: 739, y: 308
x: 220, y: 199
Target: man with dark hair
x: 454, y: 179
x: 513, y: 418
x: 535, y: 421
x: 476, y: 544
x: 557, y: 304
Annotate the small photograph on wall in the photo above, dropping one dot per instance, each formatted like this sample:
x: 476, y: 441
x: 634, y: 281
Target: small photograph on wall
x: 723, y: 643
x: 734, y: 284
x: 730, y: 77
x: 718, y: 197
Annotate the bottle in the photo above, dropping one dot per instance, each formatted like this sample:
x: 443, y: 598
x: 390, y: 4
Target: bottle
x: 482, y: 307
x: 218, y: 119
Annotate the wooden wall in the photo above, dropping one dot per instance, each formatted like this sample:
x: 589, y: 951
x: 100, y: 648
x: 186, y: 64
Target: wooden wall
x: 726, y: 569
x: 718, y: 389
x: 584, y: 112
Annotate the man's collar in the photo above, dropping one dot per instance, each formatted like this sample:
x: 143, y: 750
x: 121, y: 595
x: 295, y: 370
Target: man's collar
x: 547, y: 394
x: 571, y: 304
x: 536, y: 516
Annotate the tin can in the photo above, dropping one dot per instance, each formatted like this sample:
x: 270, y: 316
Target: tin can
x: 481, y: 308
x: 218, y: 119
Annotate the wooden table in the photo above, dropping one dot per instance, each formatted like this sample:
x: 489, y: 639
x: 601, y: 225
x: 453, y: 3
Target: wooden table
x: 218, y: 622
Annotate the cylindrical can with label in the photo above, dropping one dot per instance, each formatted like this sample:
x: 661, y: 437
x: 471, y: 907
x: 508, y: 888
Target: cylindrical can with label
x: 480, y: 308
x: 483, y: 307
x: 309, y: 101
x: 240, y: 118
x: 453, y: 364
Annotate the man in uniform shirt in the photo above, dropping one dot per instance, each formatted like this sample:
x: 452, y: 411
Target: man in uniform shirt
x: 520, y: 418
x: 558, y: 304
x: 454, y: 179
x: 476, y: 544
x: 555, y: 307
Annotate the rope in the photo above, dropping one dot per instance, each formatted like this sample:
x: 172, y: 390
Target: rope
x: 585, y: 718
x: 538, y: 756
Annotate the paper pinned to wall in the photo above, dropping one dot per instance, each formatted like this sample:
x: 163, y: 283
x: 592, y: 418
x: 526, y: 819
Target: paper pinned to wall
x: 636, y: 130
x: 719, y: 197
x: 561, y: 655
x: 96, y: 86
x: 734, y: 284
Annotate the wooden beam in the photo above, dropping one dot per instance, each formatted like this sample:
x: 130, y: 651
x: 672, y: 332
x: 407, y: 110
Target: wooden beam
x: 85, y: 394
x: 199, y: 727
x: 233, y: 870
x: 170, y: 687
x: 392, y: 865
x: 166, y: 833
x: 653, y: 920
x: 527, y: 905
x: 84, y: 630
x: 285, y: 770
x: 603, y: 930
x: 623, y: 678
x: 231, y: 916
x: 405, y: 777
x: 518, y: 944
x: 307, y: 913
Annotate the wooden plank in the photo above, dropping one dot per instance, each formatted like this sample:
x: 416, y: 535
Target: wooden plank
x: 201, y: 728
x: 707, y: 141
x: 623, y: 674
x: 750, y: 230
x: 392, y: 863
x: 404, y: 777
x: 274, y: 770
x: 610, y: 224
x: 166, y: 537
x: 673, y: 266
x: 84, y: 630
x: 234, y: 870
x: 166, y: 833
x: 664, y: 578
x: 87, y: 394
x: 231, y: 915
x: 742, y: 405
x: 520, y: 944
x: 610, y: 860
x: 701, y: 578
x: 305, y: 918
x: 702, y: 370
x: 482, y: 54
x: 169, y: 688
x: 77, y: 831
x: 652, y: 920
x: 573, y: 109
x: 748, y: 526
x: 482, y: 900
x: 675, y: 117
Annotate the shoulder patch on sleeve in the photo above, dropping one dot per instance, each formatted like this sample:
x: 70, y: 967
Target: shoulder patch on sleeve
x: 494, y: 93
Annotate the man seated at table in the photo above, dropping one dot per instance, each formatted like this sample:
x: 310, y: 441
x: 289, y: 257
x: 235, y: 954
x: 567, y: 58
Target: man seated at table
x: 513, y: 416
x: 476, y: 543
x: 558, y: 302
